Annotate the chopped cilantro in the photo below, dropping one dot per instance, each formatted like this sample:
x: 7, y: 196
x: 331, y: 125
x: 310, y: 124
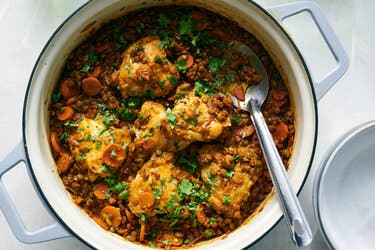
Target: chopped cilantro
x: 140, y: 27
x: 143, y: 217
x: 64, y: 136
x: 151, y: 133
x: 108, y: 118
x: 164, y: 43
x: 185, y: 188
x: 81, y: 157
x: 171, y: 118
x: 164, y: 21
x: 203, y: 86
x: 132, y: 59
x: 191, y: 162
x: 56, y: 96
x: 212, y: 220
x: 165, y: 242
x: 106, y: 169
x: 230, y: 173
x: 124, y: 194
x: 181, y: 66
x: 161, y: 84
x: 208, y: 232
x: 215, y: 64
x: 186, y: 241
x: 158, y: 191
x: 158, y: 60
x: 229, y: 78
x: 211, y: 178
x: 99, y: 144
x: 180, y: 95
x: 173, y: 80
x: 237, y: 157
x: 111, y: 181
x: 134, y: 103
x: 85, y: 68
x: 226, y: 200
x: 70, y: 124
x: 127, y: 68
x: 152, y: 244
x: 118, y: 187
x: 102, y: 106
x: 237, y: 118
x: 139, y: 48
x: 187, y: 26
x: 126, y: 114
x: 92, y: 57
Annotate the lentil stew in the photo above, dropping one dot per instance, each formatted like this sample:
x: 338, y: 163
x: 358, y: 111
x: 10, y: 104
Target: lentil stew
x: 144, y: 133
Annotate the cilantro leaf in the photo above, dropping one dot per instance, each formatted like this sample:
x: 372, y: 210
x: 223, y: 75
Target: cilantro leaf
x: 187, y: 26
x: 215, y: 64
x: 85, y: 68
x: 191, y: 162
x: 230, y: 173
x: 92, y: 56
x: 181, y: 66
x: 202, y: 86
x: 171, y: 118
x: 173, y: 80
x: 164, y: 21
x: 237, y: 118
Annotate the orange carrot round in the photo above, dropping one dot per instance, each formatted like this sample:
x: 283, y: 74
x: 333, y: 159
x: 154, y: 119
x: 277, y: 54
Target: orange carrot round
x: 239, y: 93
x: 96, y: 72
x: 65, y: 114
x: 101, y: 190
x: 63, y: 163
x: 91, y: 86
x: 146, y: 200
x: 55, y: 143
x: 69, y: 88
x: 111, y: 215
x: 114, y: 155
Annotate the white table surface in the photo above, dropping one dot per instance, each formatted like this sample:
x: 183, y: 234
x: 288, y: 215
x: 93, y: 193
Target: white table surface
x: 25, y: 26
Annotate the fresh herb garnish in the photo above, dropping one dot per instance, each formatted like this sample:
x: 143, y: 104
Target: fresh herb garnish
x: 171, y: 118
x: 237, y: 118
x: 92, y: 57
x: 126, y: 114
x: 203, y: 87
x: 230, y: 173
x: 56, y: 96
x: 215, y: 64
x: 140, y: 27
x: 164, y: 21
x: 118, y: 187
x: 187, y: 26
x: 229, y: 78
x: 64, y: 136
x: 161, y: 84
x: 173, y: 80
x: 226, y: 200
x: 181, y: 66
x: 85, y: 68
x: 124, y: 194
x: 157, y: 192
x: 190, y: 163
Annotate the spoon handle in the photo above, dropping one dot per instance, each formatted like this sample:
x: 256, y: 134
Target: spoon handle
x: 293, y: 213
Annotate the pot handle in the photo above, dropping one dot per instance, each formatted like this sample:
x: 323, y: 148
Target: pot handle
x: 284, y: 11
x: 51, y: 232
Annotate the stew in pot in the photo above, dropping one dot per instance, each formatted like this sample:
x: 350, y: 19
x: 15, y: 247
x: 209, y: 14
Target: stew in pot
x: 144, y: 132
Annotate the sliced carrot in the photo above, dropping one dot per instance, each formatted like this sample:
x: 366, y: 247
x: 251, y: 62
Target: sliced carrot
x: 102, y: 47
x: 142, y: 232
x: 101, y: 190
x: 96, y: 72
x: 201, y: 215
x: 173, y: 240
x: 65, y: 114
x: 146, y: 200
x: 246, y: 131
x: 114, y: 155
x: 101, y: 223
x: 55, y: 143
x: 91, y: 86
x: 69, y: 88
x: 189, y: 59
x: 280, y: 95
x: 239, y: 93
x: 220, y: 34
x: 282, y: 131
x: 71, y: 101
x: 111, y: 215
x: 63, y: 163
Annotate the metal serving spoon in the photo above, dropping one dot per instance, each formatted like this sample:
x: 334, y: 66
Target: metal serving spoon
x: 254, y: 98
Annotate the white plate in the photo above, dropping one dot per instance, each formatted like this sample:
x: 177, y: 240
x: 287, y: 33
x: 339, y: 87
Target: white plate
x: 344, y: 191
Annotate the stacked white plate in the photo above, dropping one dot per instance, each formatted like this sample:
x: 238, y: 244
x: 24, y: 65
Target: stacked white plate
x: 344, y: 191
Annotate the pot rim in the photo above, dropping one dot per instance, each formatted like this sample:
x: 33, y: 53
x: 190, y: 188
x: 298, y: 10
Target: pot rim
x: 30, y: 167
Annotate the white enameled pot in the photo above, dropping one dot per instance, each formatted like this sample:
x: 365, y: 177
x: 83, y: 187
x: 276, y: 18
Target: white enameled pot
x: 34, y: 149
